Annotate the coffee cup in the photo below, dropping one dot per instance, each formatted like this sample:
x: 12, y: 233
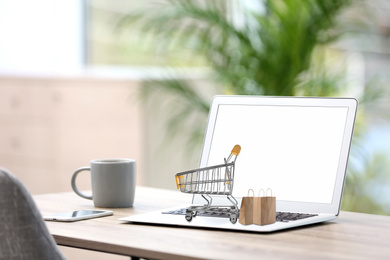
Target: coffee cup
x: 113, y: 182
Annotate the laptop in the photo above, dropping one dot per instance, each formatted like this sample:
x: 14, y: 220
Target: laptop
x: 296, y: 146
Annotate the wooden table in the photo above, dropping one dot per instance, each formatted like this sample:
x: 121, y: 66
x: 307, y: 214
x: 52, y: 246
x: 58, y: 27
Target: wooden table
x: 351, y: 236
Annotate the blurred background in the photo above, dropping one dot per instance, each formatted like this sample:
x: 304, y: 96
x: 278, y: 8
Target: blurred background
x: 88, y: 79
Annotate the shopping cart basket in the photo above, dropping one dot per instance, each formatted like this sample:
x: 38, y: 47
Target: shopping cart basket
x: 212, y: 180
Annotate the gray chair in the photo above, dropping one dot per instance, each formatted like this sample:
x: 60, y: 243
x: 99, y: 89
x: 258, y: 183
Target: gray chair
x: 23, y: 232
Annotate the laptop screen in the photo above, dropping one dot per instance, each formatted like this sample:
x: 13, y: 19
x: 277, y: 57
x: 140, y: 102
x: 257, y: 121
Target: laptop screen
x: 294, y: 148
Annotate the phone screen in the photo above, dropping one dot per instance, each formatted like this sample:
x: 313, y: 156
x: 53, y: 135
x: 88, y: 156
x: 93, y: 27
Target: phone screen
x: 78, y: 215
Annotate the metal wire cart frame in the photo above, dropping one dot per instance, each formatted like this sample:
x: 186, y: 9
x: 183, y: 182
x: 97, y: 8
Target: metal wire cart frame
x: 212, y: 180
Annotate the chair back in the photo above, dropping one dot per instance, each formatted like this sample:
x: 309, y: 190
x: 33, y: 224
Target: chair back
x: 23, y: 232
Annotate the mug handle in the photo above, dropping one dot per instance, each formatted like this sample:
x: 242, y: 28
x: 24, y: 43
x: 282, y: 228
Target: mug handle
x: 73, y: 182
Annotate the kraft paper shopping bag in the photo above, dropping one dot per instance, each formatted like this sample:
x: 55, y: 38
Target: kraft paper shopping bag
x: 260, y: 210
x: 267, y: 213
x: 246, y: 210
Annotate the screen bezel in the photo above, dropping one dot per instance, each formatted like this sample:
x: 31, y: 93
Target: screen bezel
x: 350, y: 103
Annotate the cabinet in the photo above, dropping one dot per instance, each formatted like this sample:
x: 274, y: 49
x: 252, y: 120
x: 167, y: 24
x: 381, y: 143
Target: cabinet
x: 51, y: 126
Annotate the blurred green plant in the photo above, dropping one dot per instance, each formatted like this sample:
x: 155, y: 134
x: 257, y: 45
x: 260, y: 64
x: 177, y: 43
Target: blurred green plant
x: 261, y: 53
x: 277, y: 49
x: 266, y: 52
x: 366, y: 185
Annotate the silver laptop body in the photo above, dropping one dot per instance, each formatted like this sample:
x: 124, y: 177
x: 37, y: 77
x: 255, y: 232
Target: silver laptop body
x: 296, y: 146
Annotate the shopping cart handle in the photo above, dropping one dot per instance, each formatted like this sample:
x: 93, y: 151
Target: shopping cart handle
x: 177, y: 182
x: 236, y: 150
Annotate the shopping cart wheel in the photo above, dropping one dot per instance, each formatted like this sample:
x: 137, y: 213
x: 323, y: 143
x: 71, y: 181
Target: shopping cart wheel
x: 233, y: 218
x: 189, y: 215
x: 194, y: 213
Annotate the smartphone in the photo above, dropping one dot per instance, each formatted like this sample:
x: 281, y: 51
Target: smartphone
x: 78, y: 215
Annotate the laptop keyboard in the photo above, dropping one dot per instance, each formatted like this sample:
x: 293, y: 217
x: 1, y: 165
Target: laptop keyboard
x: 219, y: 213
x: 289, y: 216
x: 224, y: 213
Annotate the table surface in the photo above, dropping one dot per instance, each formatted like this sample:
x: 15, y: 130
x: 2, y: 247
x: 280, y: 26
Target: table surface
x: 350, y: 236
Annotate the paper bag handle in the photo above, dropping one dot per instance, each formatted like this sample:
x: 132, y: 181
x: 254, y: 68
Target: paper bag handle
x: 253, y: 193
x: 265, y: 193
x: 260, y: 192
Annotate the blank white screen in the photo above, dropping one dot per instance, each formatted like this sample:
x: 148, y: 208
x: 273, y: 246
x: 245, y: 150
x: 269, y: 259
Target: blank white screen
x: 294, y: 150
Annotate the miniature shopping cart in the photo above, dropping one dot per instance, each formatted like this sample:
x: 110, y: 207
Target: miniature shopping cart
x: 212, y: 180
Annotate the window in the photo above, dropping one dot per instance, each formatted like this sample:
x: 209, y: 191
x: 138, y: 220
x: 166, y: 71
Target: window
x: 110, y: 44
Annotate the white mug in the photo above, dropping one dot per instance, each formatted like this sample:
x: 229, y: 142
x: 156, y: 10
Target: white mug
x: 113, y: 182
